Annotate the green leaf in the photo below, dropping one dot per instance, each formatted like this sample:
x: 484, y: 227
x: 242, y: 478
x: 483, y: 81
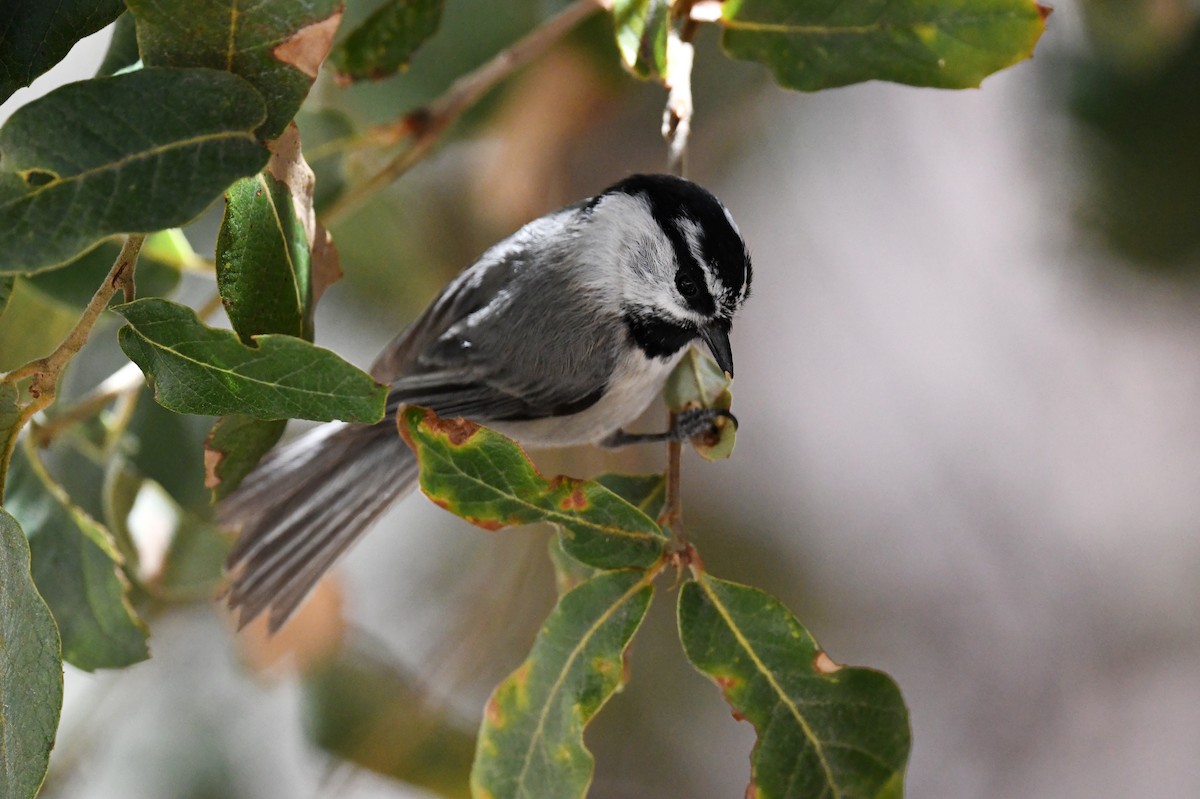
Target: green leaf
x: 172, y: 248
x: 568, y: 572
x: 31, y: 677
x: 823, y: 730
x: 138, y: 152
x: 154, y: 439
x: 32, y: 325
x: 122, y: 49
x: 951, y: 44
x: 384, y: 44
x: 35, y: 35
x: 76, y: 569
x: 364, y: 708
x: 194, y: 566
x: 10, y: 416
x: 263, y: 260
x: 6, y: 288
x: 198, y: 369
x: 184, y: 556
x: 646, y: 492
x: 234, y: 447
x: 697, y: 382
x: 487, y: 479
x: 277, y: 46
x: 531, y: 739
x: 74, y: 283
x: 642, y: 27
x: 265, y: 278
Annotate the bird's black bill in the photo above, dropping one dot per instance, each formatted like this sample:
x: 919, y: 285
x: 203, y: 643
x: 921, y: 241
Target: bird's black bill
x: 717, y: 339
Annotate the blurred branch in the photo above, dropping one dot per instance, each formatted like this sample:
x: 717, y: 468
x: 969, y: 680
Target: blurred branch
x: 426, y: 125
x: 125, y: 380
x: 677, y: 116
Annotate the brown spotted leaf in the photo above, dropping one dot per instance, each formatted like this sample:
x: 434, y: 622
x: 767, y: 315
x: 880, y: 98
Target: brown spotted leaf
x: 531, y: 740
x: 488, y: 480
x: 823, y: 730
x: 277, y: 46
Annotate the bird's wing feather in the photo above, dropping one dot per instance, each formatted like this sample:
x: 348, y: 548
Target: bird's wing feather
x: 503, y: 343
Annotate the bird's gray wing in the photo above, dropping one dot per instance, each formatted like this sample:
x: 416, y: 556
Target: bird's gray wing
x: 514, y: 337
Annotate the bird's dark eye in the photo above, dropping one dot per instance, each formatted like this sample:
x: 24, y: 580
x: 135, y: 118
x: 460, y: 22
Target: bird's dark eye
x: 687, y: 287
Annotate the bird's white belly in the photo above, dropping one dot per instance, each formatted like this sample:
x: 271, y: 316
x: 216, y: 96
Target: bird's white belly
x: 635, y: 383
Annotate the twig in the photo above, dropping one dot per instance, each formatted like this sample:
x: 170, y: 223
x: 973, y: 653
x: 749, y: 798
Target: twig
x: 46, y: 371
x: 427, y: 124
x: 677, y: 115
x: 125, y: 380
x: 672, y: 517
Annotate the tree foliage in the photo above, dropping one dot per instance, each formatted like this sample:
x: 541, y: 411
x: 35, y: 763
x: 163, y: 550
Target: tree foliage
x: 100, y: 174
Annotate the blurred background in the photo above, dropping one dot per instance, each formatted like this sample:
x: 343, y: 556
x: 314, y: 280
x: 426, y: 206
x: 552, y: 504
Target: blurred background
x: 969, y: 389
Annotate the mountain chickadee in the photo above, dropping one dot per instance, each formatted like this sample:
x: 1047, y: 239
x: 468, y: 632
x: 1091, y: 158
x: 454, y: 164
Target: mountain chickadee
x: 558, y: 335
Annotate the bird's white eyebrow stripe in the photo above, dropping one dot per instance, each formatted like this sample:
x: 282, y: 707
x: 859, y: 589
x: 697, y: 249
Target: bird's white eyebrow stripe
x: 729, y: 217
x: 690, y: 229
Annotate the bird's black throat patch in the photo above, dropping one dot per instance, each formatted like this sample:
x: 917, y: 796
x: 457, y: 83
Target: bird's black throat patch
x: 657, y: 337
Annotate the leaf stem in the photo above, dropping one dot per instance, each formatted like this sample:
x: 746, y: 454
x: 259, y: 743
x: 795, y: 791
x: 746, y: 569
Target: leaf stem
x: 425, y: 125
x: 46, y: 371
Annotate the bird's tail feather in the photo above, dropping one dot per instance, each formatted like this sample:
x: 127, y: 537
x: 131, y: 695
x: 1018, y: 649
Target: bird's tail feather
x: 303, y: 506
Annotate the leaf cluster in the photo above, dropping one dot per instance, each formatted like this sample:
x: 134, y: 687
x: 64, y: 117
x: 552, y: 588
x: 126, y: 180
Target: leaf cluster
x: 823, y: 730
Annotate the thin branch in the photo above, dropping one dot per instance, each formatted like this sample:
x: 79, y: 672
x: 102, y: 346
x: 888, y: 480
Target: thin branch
x: 426, y: 125
x: 126, y: 380
x: 46, y: 371
x: 672, y: 517
x: 677, y: 115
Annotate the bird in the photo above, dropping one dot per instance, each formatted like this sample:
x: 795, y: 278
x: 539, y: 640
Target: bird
x: 560, y: 334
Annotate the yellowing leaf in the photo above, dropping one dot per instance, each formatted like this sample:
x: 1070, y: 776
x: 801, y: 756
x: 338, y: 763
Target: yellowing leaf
x: 275, y: 45
x: 531, y: 740
x: 487, y: 479
x: 823, y: 730
x: 952, y: 44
